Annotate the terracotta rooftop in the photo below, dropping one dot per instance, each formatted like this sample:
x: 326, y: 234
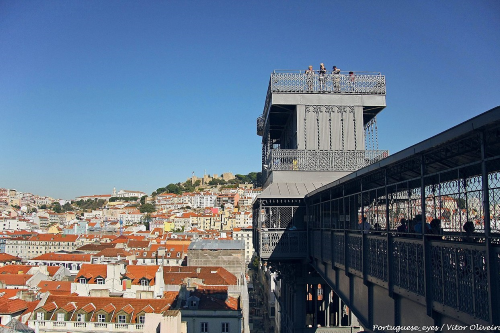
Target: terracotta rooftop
x: 210, y: 275
x: 15, y: 269
x: 64, y: 257
x: 10, y: 306
x: 15, y: 279
x: 91, y: 272
x: 59, y: 287
x: 4, y: 257
x: 111, y: 305
x: 135, y: 273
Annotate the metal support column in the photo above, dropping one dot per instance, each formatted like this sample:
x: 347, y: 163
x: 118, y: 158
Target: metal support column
x: 490, y: 254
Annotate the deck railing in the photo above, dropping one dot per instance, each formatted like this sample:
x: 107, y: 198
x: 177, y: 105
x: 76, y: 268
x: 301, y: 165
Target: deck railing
x: 364, y: 83
x: 297, y: 81
x: 319, y: 160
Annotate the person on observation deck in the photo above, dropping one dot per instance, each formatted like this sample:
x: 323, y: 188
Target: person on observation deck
x: 352, y: 79
x: 310, y: 78
x: 336, y: 79
x: 322, y: 77
x: 364, y: 225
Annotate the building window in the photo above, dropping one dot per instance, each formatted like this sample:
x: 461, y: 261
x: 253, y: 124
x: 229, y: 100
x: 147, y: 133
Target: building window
x: 99, y: 281
x: 40, y: 316
x: 80, y: 317
x: 82, y: 280
x: 204, y: 327
x: 60, y: 316
x: 101, y: 318
x: 142, y: 319
x: 121, y: 319
x: 144, y: 282
x: 225, y: 328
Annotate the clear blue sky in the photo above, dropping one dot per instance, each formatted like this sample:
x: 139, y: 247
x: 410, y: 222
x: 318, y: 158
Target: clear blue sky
x: 138, y: 94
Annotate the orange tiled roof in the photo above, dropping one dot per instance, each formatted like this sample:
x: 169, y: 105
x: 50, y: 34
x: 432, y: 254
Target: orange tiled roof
x: 7, y: 257
x: 210, y: 275
x: 128, y: 309
x: 135, y: 273
x: 15, y: 269
x: 54, y: 238
x: 10, y: 306
x: 64, y: 257
x: 110, y: 304
x: 91, y: 272
x: 59, y: 287
x: 15, y: 279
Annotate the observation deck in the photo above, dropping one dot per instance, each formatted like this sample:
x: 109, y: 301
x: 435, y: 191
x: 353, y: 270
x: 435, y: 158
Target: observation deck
x: 284, y: 85
x: 320, y: 123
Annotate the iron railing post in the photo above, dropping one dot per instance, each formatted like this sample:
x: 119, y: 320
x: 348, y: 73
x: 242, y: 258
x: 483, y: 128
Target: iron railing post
x: 425, y: 243
x: 491, y: 262
x: 389, y: 239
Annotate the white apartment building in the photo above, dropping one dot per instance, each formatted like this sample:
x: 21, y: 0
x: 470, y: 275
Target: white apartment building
x: 204, y: 200
x: 245, y: 235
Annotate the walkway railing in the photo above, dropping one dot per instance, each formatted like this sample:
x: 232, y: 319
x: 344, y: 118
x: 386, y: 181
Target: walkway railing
x: 369, y: 224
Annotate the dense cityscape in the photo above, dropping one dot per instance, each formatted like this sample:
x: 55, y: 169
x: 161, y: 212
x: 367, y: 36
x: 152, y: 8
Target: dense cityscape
x: 126, y: 261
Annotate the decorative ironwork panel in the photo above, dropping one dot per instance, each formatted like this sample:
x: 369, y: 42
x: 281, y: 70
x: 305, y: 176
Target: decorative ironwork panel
x: 360, y: 84
x: 331, y: 160
x: 338, y: 248
x: 377, y: 258
x: 354, y: 252
x: 260, y: 125
x: 276, y: 217
x: 459, y: 278
x: 494, y: 194
x: 408, y: 266
x: 283, y: 244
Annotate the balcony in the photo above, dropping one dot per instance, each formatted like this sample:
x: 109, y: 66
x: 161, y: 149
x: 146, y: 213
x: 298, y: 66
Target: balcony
x: 282, y: 244
x: 318, y: 160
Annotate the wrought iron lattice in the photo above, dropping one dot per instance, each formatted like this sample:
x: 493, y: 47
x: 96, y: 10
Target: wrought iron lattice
x: 377, y: 258
x: 408, y: 268
x: 278, y: 217
x: 494, y: 195
x: 339, y: 248
x: 354, y: 253
x: 283, y: 244
x: 260, y: 125
x: 330, y: 160
x: 361, y: 84
x: 460, y: 278
x: 371, y: 135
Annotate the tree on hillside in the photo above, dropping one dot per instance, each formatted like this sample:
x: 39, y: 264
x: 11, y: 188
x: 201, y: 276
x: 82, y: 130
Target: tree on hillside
x: 147, y: 208
x: 174, y: 188
x: 67, y: 207
x: 56, y: 207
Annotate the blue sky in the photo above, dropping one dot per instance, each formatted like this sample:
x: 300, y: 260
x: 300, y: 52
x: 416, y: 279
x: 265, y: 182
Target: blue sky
x: 138, y: 94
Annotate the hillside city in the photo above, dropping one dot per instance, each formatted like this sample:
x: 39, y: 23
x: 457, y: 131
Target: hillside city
x: 129, y: 261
